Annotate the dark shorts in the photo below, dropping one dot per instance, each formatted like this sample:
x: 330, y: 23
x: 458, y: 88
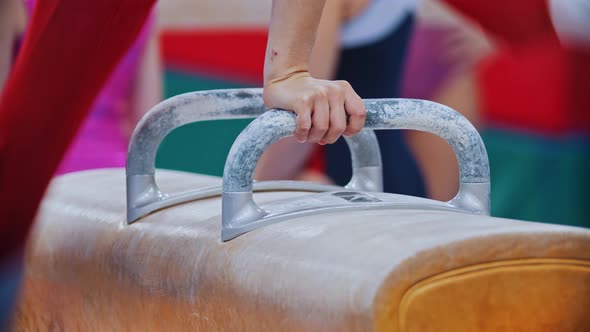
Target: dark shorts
x: 375, y: 71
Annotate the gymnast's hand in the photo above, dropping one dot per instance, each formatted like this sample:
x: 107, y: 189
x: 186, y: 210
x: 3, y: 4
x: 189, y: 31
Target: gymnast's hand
x: 322, y: 106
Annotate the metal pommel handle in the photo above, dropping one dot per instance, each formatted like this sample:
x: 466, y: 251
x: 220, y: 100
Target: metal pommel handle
x: 143, y: 194
x: 239, y: 211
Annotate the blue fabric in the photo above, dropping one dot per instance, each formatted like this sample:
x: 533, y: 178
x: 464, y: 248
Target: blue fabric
x: 375, y: 71
x: 10, y: 281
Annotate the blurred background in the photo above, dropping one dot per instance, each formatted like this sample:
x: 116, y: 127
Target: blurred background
x: 520, y: 71
x: 209, y: 45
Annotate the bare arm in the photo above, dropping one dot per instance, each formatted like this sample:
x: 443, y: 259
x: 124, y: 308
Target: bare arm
x: 324, y: 56
x: 148, y: 90
x: 321, y: 106
x: 292, y: 33
x: 322, y: 64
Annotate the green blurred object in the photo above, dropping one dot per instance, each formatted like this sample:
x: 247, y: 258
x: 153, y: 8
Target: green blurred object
x: 198, y: 147
x: 539, y: 179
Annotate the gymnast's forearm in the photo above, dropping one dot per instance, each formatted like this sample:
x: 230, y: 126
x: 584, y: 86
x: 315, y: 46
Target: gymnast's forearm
x: 321, y: 106
x: 292, y: 33
x: 322, y: 64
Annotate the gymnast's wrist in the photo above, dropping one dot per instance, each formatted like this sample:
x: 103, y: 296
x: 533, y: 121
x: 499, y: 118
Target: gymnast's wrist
x: 278, y: 75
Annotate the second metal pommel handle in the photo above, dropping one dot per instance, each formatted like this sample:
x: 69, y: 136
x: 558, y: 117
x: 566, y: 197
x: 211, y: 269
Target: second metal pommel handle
x: 240, y: 213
